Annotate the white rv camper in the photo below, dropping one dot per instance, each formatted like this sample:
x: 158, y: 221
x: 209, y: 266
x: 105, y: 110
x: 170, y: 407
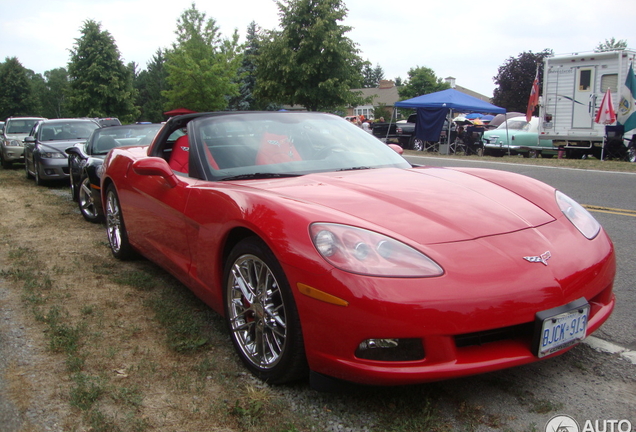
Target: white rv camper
x: 573, y: 88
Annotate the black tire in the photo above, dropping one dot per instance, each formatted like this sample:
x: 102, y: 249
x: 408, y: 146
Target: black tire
x: 268, y: 314
x: 115, y: 227
x: 5, y: 163
x: 86, y: 201
x: 74, y: 188
x: 36, y: 169
x: 28, y: 175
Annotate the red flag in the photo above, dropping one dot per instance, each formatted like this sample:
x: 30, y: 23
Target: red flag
x: 606, y: 114
x: 534, y: 97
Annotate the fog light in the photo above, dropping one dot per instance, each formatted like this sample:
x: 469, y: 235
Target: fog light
x: 391, y: 349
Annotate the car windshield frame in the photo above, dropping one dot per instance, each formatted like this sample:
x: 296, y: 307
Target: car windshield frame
x: 306, y: 143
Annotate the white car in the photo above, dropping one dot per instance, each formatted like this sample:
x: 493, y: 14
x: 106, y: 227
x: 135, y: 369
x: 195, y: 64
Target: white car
x: 12, y: 141
x: 521, y: 137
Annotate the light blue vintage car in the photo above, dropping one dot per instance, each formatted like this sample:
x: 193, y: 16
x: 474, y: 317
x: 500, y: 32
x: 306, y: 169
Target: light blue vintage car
x: 521, y: 137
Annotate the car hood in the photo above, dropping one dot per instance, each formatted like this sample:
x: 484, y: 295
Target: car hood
x: 428, y: 205
x: 19, y: 137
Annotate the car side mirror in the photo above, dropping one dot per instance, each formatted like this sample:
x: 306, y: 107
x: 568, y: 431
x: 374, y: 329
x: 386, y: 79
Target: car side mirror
x: 29, y: 139
x: 396, y: 148
x: 155, y: 166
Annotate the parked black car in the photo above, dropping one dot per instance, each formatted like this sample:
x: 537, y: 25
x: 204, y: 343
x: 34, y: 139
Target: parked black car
x: 384, y: 130
x: 44, y: 148
x: 85, y: 161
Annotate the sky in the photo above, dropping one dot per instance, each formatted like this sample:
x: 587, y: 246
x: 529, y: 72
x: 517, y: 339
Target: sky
x: 467, y: 40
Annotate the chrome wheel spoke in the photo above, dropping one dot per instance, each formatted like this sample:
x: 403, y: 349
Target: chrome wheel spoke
x: 113, y: 222
x: 242, y: 283
x: 85, y: 198
x: 257, y: 312
x: 86, y: 189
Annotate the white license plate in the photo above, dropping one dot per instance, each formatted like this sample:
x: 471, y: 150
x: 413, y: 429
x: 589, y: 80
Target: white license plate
x: 563, y: 330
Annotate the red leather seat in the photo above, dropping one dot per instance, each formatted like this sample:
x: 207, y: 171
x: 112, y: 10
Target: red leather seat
x: 180, y: 157
x: 276, y: 149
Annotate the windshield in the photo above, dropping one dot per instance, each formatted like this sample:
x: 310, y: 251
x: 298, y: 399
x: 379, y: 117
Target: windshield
x: 64, y: 131
x: 105, y: 139
x: 20, y: 126
x: 513, y: 124
x: 287, y: 144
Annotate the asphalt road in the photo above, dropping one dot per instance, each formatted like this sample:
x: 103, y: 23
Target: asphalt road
x: 609, y: 190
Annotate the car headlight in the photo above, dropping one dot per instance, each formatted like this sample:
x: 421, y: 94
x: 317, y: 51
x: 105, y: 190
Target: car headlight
x: 365, y: 252
x: 580, y: 218
x: 14, y: 143
x: 53, y: 155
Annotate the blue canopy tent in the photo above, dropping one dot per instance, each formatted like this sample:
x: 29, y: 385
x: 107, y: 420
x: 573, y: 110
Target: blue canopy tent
x: 433, y: 108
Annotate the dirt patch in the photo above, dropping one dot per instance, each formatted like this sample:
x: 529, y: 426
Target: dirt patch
x: 81, y: 351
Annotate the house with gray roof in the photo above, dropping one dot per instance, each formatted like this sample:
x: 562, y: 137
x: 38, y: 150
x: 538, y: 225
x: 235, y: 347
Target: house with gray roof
x: 386, y: 94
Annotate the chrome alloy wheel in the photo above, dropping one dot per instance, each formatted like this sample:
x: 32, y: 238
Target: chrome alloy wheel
x: 113, y: 221
x: 86, y: 201
x: 256, y: 311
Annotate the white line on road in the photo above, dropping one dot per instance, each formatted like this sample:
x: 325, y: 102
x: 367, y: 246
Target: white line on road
x: 608, y: 347
x: 520, y: 164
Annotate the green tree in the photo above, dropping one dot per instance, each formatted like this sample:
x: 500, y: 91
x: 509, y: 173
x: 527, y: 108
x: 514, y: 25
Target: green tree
x: 100, y: 84
x: 54, y: 96
x: 381, y: 111
x: 514, y: 80
x: 150, y: 85
x: 372, y: 76
x: 611, y: 45
x: 246, y: 100
x: 38, y: 90
x: 202, y: 67
x: 310, y: 62
x: 17, y: 97
x: 421, y: 81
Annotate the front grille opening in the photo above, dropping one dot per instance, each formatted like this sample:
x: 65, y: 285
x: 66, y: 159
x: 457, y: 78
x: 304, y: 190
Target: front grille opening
x: 391, y: 350
x: 521, y: 331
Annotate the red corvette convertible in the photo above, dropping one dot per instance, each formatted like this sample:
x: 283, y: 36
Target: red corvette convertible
x: 328, y: 253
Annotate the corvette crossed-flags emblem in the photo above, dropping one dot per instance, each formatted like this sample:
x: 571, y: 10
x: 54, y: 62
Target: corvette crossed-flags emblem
x: 543, y: 258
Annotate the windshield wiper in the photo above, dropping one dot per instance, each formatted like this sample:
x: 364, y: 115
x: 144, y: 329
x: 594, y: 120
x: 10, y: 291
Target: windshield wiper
x: 355, y: 168
x: 259, y: 176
